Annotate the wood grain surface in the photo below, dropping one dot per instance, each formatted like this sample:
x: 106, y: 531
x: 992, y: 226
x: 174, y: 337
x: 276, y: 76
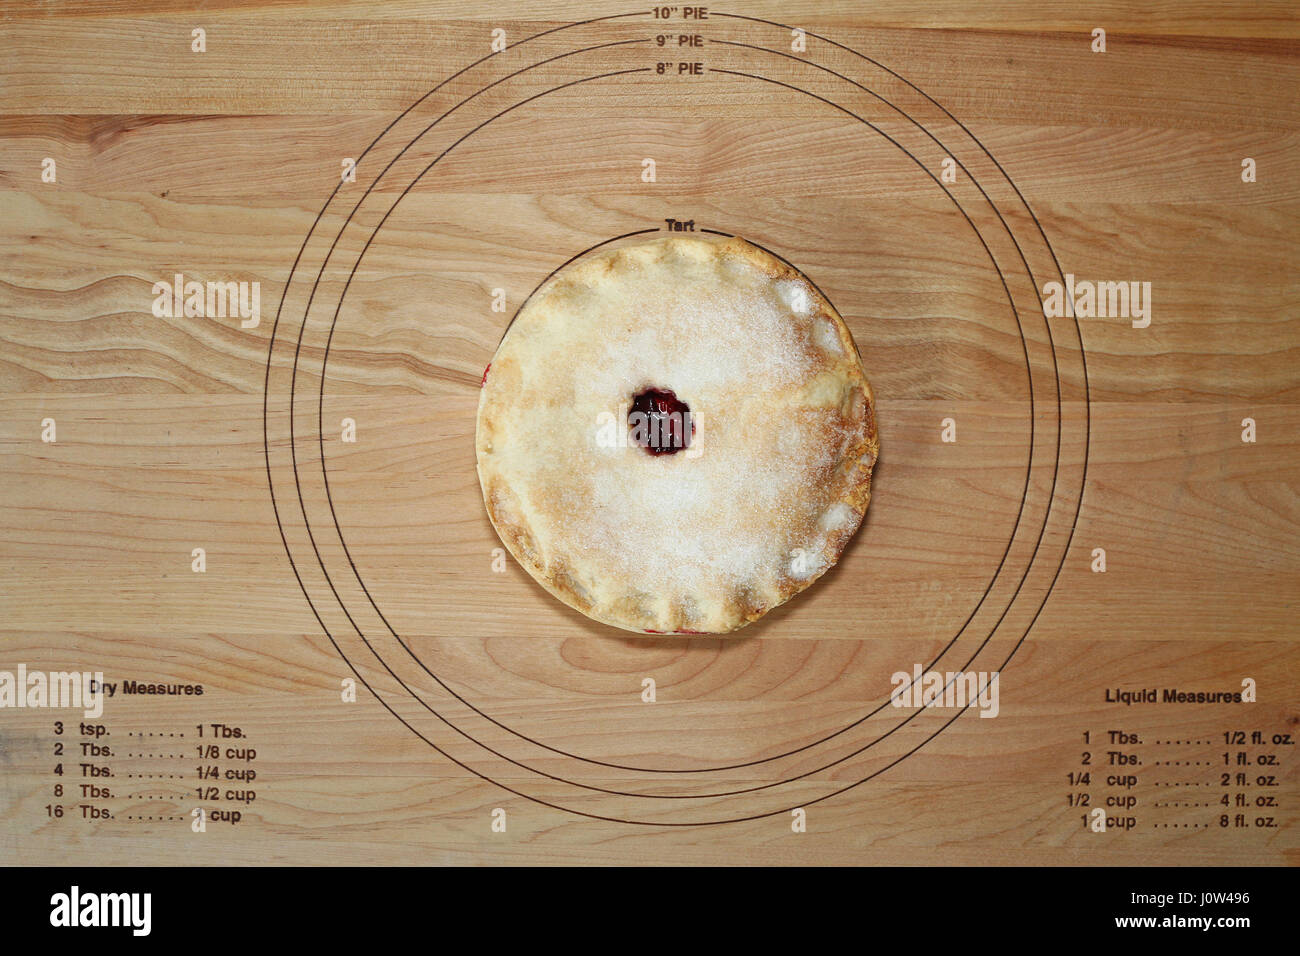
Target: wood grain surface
x: 329, y: 561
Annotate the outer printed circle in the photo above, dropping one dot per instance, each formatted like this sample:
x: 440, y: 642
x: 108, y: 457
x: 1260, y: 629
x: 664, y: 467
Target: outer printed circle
x: 539, y: 799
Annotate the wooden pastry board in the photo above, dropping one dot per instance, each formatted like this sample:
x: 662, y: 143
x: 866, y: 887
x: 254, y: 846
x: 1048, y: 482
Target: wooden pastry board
x: 491, y: 724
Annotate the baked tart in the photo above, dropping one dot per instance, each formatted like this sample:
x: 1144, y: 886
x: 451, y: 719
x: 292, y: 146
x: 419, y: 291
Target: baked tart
x: 676, y: 436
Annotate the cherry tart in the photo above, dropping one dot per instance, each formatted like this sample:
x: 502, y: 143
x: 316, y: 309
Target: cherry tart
x: 676, y: 436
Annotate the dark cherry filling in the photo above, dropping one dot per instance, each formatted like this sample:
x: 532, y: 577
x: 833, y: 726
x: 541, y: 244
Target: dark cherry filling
x: 657, y: 419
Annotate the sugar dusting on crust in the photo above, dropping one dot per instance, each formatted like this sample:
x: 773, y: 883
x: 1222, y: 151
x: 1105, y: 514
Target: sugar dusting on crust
x: 702, y: 540
x: 720, y: 523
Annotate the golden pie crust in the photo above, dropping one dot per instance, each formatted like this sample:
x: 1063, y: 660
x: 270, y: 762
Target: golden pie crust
x: 703, y: 540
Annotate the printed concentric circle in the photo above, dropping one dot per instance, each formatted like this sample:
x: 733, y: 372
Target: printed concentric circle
x: 270, y: 444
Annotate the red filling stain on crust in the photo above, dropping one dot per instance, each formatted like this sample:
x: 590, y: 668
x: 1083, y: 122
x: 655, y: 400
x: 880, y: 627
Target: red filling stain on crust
x: 485, y: 371
x: 663, y: 419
